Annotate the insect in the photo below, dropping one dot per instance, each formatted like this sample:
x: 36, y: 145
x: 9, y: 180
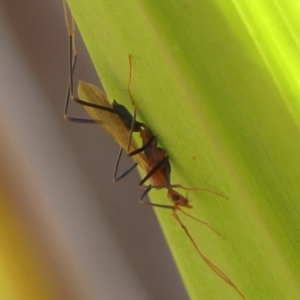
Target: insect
x: 120, y: 124
x: 152, y: 159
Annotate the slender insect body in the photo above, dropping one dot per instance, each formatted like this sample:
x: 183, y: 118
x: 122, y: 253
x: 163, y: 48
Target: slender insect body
x: 153, y: 159
x: 117, y: 121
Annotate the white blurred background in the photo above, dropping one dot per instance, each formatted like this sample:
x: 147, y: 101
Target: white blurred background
x: 96, y: 240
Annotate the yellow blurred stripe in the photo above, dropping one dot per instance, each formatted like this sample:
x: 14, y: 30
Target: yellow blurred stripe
x: 23, y: 274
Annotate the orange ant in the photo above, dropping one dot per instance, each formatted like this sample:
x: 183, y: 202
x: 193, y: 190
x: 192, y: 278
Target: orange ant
x: 158, y: 172
x: 155, y: 162
x: 120, y: 124
x: 151, y: 158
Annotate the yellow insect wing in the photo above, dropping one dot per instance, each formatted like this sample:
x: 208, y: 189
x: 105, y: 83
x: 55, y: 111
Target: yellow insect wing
x: 109, y: 121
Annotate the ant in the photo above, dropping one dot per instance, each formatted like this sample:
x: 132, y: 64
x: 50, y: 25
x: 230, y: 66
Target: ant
x: 150, y: 157
x: 120, y: 124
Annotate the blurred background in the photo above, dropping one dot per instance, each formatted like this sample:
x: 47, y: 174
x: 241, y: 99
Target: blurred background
x: 66, y: 230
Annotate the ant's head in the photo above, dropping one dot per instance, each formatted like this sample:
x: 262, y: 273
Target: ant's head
x: 178, y: 199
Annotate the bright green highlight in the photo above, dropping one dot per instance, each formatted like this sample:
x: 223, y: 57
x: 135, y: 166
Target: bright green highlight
x: 274, y: 28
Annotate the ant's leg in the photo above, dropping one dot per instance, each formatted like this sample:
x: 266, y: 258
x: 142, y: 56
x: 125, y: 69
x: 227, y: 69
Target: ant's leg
x: 143, y: 195
x: 210, y: 264
x: 202, y: 222
x: 133, y: 103
x: 131, y: 128
x: 72, y: 64
x: 133, y: 166
x: 134, y: 122
x: 153, y: 170
x: 141, y: 149
x: 198, y: 189
x: 124, y: 174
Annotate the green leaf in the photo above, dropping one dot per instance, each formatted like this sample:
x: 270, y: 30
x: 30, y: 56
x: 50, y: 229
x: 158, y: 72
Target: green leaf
x: 218, y: 83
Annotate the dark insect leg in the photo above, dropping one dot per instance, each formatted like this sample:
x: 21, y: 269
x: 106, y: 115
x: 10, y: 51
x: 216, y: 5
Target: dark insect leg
x: 124, y: 174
